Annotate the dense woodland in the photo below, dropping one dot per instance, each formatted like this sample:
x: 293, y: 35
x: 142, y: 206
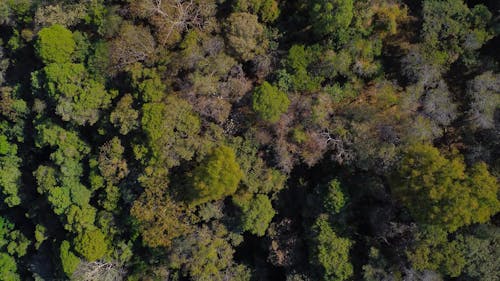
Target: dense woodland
x: 219, y: 140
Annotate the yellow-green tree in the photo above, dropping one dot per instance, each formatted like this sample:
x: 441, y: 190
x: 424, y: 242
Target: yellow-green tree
x: 440, y: 191
x: 216, y: 177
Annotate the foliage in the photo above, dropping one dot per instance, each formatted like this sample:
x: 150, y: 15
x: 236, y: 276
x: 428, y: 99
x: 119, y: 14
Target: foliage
x: 332, y: 18
x: 55, y: 44
x: 12, y: 241
x: 91, y: 244
x: 334, y: 199
x: 257, y: 213
x: 78, y: 97
x: 160, y: 218
x: 439, y: 191
x: 10, y: 174
x: 433, y: 251
x: 69, y: 260
x: 330, y: 252
x: 188, y: 139
x: 269, y: 102
x: 8, y: 268
x: 216, y: 177
x: 245, y: 35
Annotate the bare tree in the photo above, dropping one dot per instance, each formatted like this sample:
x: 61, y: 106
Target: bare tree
x: 98, y: 271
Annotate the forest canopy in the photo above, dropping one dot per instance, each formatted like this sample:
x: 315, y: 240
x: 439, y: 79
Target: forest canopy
x: 268, y: 140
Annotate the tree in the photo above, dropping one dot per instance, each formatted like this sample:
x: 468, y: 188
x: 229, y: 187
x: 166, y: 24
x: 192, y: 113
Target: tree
x: 10, y: 174
x: 330, y: 252
x: 205, y: 254
x: 91, y: 244
x: 439, y: 191
x: 55, y: 44
x: 269, y: 102
x: 12, y: 240
x: 245, y: 35
x: 134, y: 44
x: 69, y: 260
x: 160, y: 218
x: 78, y: 97
x: 257, y: 213
x: 433, y: 251
x: 124, y: 116
x: 484, y: 94
x: 480, y: 250
x: 111, y: 163
x: 8, y: 268
x: 170, y: 17
x: 216, y: 177
x: 171, y: 128
x: 449, y: 29
x: 267, y: 10
x: 331, y: 18
x: 334, y: 199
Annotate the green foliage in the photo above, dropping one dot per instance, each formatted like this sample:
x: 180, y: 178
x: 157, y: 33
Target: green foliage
x: 433, y: 251
x: 334, y: 199
x: 257, y: 213
x: 216, y: 177
x: 481, y: 250
x: 111, y: 163
x: 206, y: 255
x: 8, y: 268
x: 269, y: 102
x: 439, y: 191
x: 78, y: 97
x: 55, y: 44
x: 10, y: 174
x: 332, y: 18
x: 91, y: 244
x: 40, y: 235
x: 69, y: 260
x: 12, y: 241
x: 171, y: 127
x: 297, y: 76
x: 267, y: 10
x: 330, y: 252
x: 450, y: 29
x: 124, y: 116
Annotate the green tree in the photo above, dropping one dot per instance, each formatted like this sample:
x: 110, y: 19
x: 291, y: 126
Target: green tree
x: 440, y: 192
x: 433, y: 251
x: 216, y: 177
x: 171, y: 128
x: 334, y: 199
x: 8, y: 268
x: 449, y: 29
x: 267, y: 10
x: 55, y: 44
x: 257, y: 214
x: 332, y: 18
x: 69, y: 260
x: 269, y: 102
x: 330, y: 252
x: 78, y: 97
x: 112, y: 165
x: 12, y: 240
x: 205, y: 254
x: 481, y: 251
x: 10, y: 174
x: 124, y: 116
x: 91, y: 244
